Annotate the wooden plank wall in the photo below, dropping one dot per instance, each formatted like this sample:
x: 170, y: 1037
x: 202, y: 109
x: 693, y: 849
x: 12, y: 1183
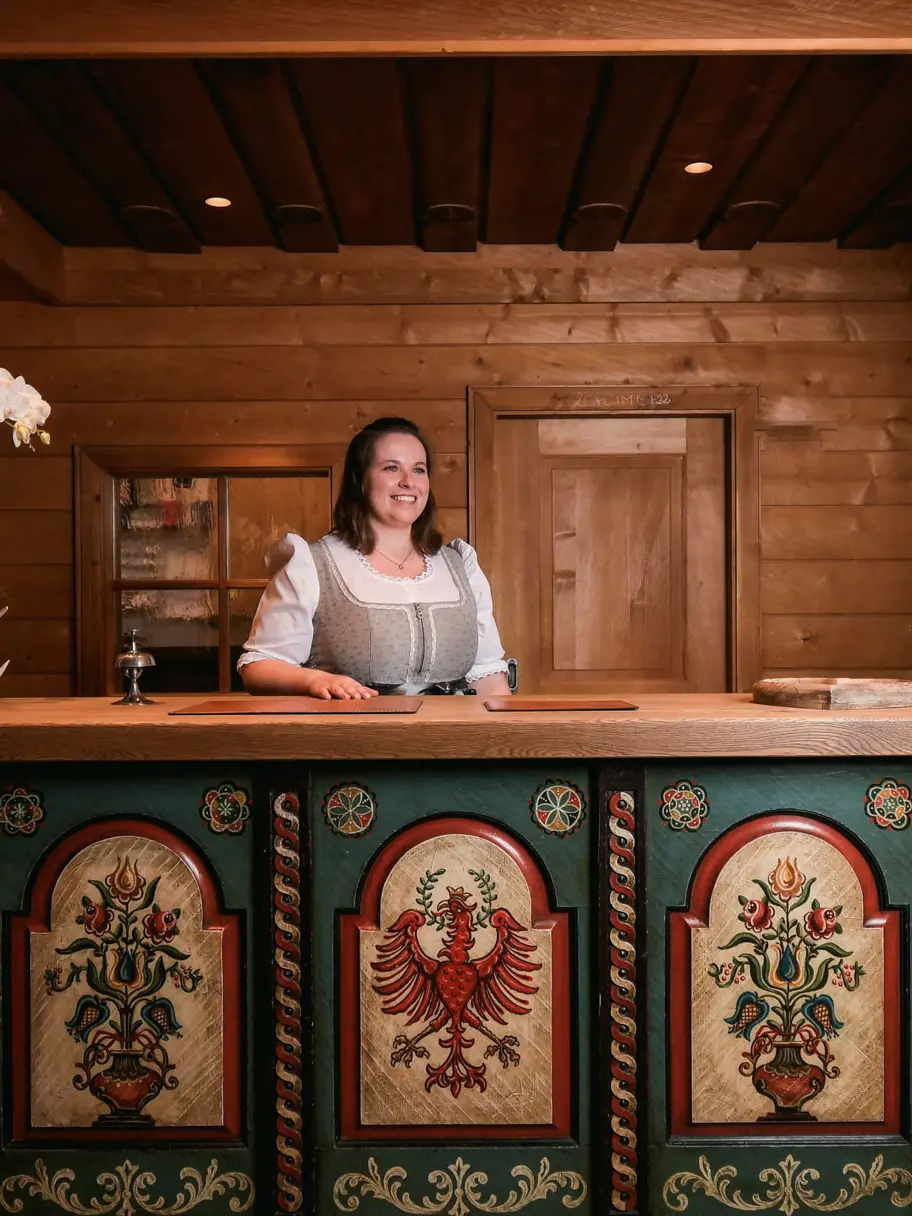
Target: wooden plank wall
x: 251, y: 346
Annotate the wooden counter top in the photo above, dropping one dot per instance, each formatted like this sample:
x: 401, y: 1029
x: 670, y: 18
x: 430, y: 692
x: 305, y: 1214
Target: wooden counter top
x: 447, y: 728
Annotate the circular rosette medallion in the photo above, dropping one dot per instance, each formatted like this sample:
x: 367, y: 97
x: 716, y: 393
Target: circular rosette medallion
x: 226, y: 808
x: 684, y: 806
x: 889, y: 804
x: 350, y: 810
x: 558, y: 807
x: 20, y: 812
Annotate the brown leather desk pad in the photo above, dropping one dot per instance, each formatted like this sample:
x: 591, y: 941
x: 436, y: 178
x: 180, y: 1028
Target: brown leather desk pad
x: 552, y: 704
x: 302, y: 705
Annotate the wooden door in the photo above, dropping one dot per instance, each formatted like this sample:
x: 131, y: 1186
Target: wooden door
x: 605, y: 540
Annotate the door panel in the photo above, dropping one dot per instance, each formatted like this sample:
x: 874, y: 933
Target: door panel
x: 128, y: 975
x: 607, y: 552
x: 776, y: 911
x: 615, y: 582
x: 452, y: 983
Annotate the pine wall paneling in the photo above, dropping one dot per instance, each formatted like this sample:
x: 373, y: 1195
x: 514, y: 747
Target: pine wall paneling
x: 248, y: 346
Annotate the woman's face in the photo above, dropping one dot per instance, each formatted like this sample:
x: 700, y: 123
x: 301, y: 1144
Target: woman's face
x: 396, y: 483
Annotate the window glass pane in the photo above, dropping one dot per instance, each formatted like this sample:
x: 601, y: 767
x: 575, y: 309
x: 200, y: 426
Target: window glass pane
x: 263, y: 509
x: 167, y: 528
x: 242, y: 607
x: 180, y: 630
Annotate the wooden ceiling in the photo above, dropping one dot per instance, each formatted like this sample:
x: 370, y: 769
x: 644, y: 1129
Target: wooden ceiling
x: 446, y: 152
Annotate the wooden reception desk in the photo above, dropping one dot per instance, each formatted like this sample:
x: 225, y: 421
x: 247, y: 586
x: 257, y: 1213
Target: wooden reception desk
x: 455, y: 961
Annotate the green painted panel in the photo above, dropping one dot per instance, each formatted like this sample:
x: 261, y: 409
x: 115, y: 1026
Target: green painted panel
x: 406, y: 795
x: 122, y: 1177
x: 833, y: 791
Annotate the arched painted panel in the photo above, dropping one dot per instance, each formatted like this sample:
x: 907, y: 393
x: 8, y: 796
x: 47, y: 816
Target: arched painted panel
x: 455, y: 992
x: 784, y: 988
x: 129, y: 1022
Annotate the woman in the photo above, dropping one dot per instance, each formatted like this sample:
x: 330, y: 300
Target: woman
x: 380, y: 604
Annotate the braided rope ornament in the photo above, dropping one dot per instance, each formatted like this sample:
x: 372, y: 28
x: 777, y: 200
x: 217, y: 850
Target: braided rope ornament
x: 622, y: 918
x: 286, y: 881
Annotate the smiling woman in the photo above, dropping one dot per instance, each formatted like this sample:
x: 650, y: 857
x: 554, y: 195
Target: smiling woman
x: 379, y: 605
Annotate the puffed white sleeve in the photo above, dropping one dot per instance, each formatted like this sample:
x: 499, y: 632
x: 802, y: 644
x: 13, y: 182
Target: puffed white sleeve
x: 283, y: 626
x: 489, y: 658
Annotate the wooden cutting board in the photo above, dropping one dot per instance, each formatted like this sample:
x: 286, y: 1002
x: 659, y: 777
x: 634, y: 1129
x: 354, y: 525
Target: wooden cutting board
x: 301, y: 705
x: 801, y: 693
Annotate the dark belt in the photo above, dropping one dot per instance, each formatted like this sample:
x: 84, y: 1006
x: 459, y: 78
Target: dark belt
x: 445, y: 688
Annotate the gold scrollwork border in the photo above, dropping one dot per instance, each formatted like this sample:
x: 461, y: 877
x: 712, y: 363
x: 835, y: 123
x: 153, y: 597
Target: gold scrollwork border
x: 458, y: 1189
x: 789, y: 1188
x: 125, y: 1191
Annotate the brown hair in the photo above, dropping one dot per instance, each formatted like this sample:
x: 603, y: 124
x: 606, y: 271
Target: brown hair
x: 351, y: 514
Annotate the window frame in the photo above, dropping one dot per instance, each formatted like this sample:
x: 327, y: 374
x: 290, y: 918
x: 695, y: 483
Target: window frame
x: 96, y: 473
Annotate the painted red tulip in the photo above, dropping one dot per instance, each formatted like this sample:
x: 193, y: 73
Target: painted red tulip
x: 821, y: 922
x: 96, y: 918
x: 161, y: 926
x: 758, y: 915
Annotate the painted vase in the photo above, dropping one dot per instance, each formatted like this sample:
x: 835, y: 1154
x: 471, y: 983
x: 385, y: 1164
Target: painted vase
x: 789, y: 1081
x: 125, y: 1086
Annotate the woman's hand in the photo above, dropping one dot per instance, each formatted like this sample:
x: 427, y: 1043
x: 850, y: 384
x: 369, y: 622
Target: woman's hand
x: 271, y: 677
x: 339, y: 688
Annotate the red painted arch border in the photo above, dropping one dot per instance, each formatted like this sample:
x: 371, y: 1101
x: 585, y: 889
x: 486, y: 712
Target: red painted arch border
x: 680, y: 927
x: 37, y: 920
x: 543, y: 917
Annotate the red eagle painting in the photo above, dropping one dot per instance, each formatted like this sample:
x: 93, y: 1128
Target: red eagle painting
x: 454, y: 995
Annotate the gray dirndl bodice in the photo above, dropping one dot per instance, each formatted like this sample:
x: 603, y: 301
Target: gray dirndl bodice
x: 392, y: 644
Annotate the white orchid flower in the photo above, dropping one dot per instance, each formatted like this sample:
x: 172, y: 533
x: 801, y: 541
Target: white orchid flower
x: 23, y: 409
x: 24, y: 403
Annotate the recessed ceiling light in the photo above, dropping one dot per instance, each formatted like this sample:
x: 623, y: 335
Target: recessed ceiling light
x: 698, y: 166
x: 216, y: 201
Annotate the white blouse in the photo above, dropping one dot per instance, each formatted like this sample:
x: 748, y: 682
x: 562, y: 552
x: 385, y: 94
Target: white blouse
x: 283, y: 626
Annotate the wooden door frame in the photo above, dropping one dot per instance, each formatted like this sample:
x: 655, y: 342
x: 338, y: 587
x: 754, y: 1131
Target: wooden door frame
x: 95, y: 470
x: 739, y: 405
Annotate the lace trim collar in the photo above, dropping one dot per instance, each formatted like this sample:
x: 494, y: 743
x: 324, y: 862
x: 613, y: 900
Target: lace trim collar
x: 394, y: 578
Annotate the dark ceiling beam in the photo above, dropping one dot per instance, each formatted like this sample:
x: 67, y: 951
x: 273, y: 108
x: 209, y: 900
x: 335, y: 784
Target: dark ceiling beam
x: 522, y: 27
x: 69, y: 107
x: 44, y: 179
x: 172, y: 119
x: 356, y: 113
x: 31, y: 261
x: 827, y: 100
x: 887, y: 221
x: 862, y: 165
x: 542, y: 109
x: 448, y: 106
x: 629, y: 125
x: 728, y: 107
x: 255, y: 103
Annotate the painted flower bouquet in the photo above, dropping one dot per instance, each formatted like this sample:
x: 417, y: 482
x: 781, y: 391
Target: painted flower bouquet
x: 123, y: 1020
x: 785, y: 1016
x: 23, y: 409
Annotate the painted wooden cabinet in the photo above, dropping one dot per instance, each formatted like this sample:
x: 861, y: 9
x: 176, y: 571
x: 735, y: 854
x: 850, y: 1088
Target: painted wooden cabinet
x: 441, y: 987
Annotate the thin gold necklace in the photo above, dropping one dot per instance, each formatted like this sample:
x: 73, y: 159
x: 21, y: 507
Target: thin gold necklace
x: 398, y: 565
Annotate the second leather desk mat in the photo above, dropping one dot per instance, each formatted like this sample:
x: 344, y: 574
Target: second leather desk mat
x: 302, y: 705
x: 552, y: 704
